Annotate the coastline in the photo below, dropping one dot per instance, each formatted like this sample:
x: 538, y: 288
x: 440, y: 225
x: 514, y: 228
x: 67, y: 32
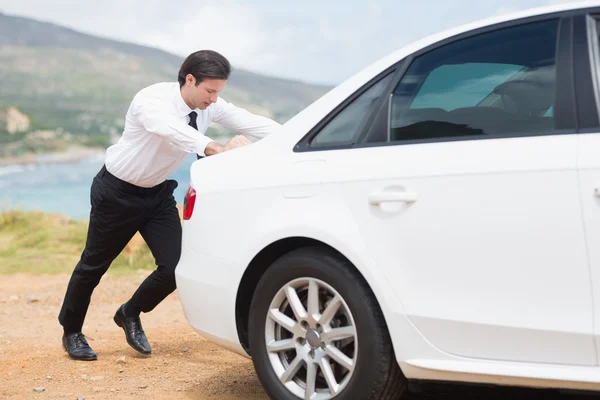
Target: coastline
x: 59, y: 183
x: 71, y: 154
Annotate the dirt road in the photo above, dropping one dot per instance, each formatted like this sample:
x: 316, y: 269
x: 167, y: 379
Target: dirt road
x: 183, y: 365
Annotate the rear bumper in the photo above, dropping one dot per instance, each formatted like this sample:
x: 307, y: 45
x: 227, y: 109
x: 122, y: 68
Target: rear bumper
x: 207, y: 292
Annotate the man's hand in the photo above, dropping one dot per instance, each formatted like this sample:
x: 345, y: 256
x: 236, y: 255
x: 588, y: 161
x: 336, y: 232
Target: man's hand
x: 215, y: 148
x: 237, y: 141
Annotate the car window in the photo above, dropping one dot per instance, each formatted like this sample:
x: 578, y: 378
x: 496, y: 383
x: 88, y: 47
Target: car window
x: 595, y: 48
x: 499, y: 83
x: 463, y: 85
x: 345, y: 127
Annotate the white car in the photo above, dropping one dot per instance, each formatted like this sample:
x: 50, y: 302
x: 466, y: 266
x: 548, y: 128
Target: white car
x: 435, y: 217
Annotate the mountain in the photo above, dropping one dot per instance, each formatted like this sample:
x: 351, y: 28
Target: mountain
x: 81, y: 85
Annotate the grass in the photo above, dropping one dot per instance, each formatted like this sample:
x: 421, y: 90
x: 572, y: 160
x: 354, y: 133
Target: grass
x: 41, y: 243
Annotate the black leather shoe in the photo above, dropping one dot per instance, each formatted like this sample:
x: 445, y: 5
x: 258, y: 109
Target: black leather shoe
x: 133, y: 331
x: 77, y: 347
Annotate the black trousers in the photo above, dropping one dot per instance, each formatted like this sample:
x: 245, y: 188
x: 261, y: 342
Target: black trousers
x: 119, y: 210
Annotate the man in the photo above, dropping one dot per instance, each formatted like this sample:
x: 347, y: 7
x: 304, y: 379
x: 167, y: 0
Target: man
x: 164, y: 124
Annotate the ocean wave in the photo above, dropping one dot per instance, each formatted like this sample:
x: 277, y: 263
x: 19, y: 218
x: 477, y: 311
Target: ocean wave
x: 12, y: 169
x: 95, y: 158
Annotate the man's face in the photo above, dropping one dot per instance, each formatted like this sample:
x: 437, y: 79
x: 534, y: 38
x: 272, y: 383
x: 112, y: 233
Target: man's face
x: 203, y: 95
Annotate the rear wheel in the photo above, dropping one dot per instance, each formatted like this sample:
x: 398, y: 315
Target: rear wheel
x: 316, y: 332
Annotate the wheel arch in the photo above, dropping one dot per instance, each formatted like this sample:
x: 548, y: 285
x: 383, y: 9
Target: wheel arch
x: 259, y: 265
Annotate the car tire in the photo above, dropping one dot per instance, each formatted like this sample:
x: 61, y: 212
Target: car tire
x: 375, y: 372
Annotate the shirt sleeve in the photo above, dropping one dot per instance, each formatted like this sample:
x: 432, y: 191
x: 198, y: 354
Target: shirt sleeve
x: 243, y: 121
x: 153, y: 114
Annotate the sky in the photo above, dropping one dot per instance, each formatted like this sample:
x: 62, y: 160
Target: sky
x: 314, y: 41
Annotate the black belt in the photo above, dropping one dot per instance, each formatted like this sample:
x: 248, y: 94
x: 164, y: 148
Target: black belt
x: 126, y: 186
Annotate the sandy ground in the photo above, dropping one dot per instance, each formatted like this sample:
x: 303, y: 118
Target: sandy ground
x: 183, y: 364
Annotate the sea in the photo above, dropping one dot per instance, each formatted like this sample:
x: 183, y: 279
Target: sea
x: 63, y: 188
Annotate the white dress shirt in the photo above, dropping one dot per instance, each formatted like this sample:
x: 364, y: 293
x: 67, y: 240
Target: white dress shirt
x: 157, y: 138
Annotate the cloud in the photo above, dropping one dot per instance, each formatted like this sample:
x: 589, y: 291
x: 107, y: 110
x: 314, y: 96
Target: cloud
x: 231, y: 28
x: 314, y: 41
x: 504, y: 10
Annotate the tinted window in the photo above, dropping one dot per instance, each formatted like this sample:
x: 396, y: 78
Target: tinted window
x: 499, y: 83
x: 595, y: 48
x: 345, y: 128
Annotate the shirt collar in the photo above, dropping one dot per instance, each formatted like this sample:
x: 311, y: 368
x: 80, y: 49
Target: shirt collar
x: 182, y: 108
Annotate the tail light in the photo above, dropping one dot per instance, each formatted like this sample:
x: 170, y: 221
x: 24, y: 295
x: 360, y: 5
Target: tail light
x: 188, y: 203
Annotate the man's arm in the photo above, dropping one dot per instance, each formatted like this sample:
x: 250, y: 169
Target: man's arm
x: 243, y: 121
x: 214, y: 147
x: 154, y: 117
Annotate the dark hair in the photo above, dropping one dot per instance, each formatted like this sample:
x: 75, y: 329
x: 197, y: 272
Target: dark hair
x: 204, y: 64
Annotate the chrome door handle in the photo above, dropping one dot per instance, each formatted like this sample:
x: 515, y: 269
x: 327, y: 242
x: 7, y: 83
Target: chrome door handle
x: 392, y: 197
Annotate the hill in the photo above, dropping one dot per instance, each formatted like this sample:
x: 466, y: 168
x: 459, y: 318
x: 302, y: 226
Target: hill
x: 80, y: 86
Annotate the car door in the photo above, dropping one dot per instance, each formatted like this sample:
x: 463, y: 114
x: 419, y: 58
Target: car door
x: 466, y: 193
x: 587, y: 78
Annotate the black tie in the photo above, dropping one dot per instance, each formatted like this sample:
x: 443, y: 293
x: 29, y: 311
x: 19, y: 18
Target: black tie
x: 193, y: 115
